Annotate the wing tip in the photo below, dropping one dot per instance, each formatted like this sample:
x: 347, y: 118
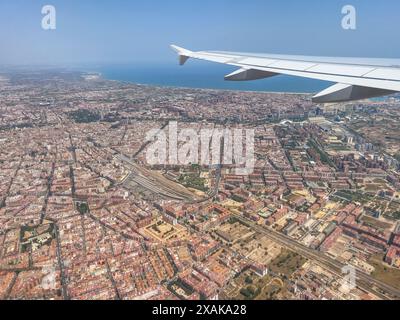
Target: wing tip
x: 176, y: 48
x: 183, y: 53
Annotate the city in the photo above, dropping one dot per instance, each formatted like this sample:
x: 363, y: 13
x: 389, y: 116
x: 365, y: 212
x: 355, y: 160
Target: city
x: 84, y: 216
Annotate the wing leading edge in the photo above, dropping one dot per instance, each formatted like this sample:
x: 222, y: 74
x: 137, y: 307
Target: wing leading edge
x: 355, y: 79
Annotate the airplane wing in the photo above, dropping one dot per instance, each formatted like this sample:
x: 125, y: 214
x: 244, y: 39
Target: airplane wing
x: 355, y: 78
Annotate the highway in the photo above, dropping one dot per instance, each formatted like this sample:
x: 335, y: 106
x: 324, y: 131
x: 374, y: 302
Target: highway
x: 364, y: 281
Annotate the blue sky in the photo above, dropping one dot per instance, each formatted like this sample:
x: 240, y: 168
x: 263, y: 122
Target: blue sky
x: 122, y: 31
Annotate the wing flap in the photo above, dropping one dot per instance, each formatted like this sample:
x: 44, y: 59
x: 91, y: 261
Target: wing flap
x: 387, y: 73
x: 337, y: 69
x: 257, y: 61
x: 292, y: 65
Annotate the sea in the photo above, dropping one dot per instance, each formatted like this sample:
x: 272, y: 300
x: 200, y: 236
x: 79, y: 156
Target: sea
x: 202, y: 75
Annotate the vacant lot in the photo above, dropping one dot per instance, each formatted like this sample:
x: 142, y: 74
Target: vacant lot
x: 287, y: 263
x: 385, y: 273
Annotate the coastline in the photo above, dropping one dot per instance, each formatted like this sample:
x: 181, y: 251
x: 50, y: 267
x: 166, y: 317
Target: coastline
x: 209, y: 78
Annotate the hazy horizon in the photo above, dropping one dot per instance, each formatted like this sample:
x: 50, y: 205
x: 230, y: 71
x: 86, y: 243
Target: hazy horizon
x: 120, y: 32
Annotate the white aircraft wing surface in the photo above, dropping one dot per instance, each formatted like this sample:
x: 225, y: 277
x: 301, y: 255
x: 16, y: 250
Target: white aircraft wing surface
x: 355, y: 78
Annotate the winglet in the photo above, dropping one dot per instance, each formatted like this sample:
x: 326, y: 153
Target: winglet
x: 184, y: 54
